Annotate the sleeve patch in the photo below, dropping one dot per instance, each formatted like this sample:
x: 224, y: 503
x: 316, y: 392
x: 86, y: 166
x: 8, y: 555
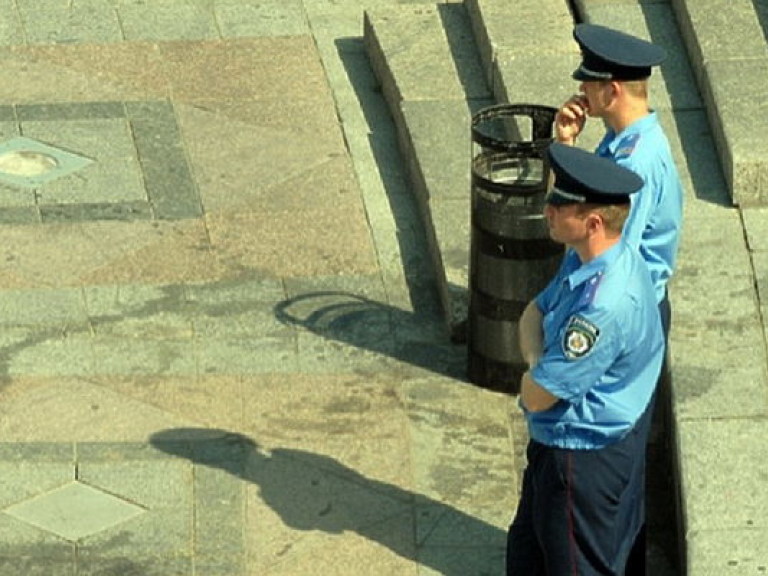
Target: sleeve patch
x: 626, y: 146
x: 579, y: 338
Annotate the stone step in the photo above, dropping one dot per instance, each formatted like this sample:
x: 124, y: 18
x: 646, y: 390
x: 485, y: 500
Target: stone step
x: 705, y: 133
x: 432, y: 79
x: 729, y: 54
x: 526, y: 55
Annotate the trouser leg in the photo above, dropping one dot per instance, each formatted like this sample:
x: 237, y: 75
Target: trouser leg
x: 659, y: 417
x: 580, y: 510
x: 524, y: 554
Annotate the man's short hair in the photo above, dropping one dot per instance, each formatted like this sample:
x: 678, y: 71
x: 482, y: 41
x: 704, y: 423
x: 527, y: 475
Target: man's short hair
x: 614, y: 215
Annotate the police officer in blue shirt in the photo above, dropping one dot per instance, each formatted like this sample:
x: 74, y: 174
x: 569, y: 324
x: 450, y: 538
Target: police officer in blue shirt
x: 614, y: 76
x: 594, y: 343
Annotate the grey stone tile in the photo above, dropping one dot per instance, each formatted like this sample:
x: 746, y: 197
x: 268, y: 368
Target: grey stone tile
x: 51, y: 355
x: 712, y: 33
x: 247, y: 356
x: 121, y: 453
x: 37, y: 566
x: 165, y: 533
x: 357, y: 341
x: 237, y: 294
x: 140, y: 356
x: 723, y: 474
x: 474, y: 559
x: 693, y: 148
x: 23, y: 480
x: 717, y: 552
x: 421, y: 55
x: 306, y: 296
x: 17, y: 203
x: 37, y: 452
x: 544, y: 80
x: 62, y: 307
x: 135, y: 311
x: 475, y: 480
x: 132, y: 300
x: 242, y: 18
x: 22, y: 541
x: 120, y: 470
x: 702, y: 390
x: 116, y: 181
x: 7, y: 117
x: 96, y: 138
x: 249, y: 321
x: 170, y: 20
x: 86, y: 21
x: 733, y: 99
x: 218, y: 520
x: 11, y: 31
x: 69, y: 111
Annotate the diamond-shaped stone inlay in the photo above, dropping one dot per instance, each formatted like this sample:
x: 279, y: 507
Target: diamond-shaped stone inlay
x: 74, y: 511
x: 29, y: 163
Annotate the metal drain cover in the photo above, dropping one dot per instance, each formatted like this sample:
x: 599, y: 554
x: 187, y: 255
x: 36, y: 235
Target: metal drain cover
x: 27, y: 163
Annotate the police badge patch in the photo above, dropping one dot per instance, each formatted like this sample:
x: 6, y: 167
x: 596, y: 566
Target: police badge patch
x: 580, y: 337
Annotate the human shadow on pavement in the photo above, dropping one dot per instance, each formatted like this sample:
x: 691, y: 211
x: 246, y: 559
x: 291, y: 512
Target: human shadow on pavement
x: 416, y: 338
x: 312, y: 492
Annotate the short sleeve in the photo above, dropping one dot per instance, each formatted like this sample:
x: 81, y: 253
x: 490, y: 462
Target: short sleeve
x: 586, y: 347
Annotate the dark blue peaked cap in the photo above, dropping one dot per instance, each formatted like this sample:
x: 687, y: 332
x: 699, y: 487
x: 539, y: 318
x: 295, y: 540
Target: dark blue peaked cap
x: 585, y: 178
x: 608, y: 54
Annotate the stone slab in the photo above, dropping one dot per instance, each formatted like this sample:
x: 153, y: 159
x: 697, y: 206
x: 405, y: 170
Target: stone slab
x: 713, y: 34
x: 88, y: 21
x: 238, y: 18
x: 162, y: 21
x: 734, y: 96
x: 723, y: 474
x: 519, y: 28
x: 439, y: 146
x: 423, y: 53
x: 693, y: 149
x: 740, y: 552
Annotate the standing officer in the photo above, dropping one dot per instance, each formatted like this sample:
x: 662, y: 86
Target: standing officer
x: 594, y: 343
x: 614, y: 76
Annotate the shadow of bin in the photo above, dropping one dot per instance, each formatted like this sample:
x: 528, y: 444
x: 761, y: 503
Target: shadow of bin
x: 512, y: 257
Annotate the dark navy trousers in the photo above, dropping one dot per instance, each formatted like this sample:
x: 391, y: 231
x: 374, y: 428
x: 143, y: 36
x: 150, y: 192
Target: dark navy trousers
x: 580, y: 511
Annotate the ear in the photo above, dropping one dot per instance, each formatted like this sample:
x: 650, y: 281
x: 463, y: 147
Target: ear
x: 594, y: 223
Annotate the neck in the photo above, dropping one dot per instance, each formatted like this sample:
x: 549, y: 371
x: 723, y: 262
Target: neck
x: 594, y: 246
x: 627, y: 114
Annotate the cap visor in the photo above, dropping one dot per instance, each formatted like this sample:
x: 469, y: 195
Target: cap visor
x: 557, y: 200
x: 582, y: 76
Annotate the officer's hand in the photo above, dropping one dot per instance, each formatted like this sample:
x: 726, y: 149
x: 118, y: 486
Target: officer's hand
x: 570, y: 119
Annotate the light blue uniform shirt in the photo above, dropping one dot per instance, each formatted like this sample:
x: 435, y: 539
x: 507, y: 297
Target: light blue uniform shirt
x: 657, y: 209
x: 603, y: 347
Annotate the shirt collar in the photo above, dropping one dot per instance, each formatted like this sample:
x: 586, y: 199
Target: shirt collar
x: 613, y: 140
x: 594, y: 267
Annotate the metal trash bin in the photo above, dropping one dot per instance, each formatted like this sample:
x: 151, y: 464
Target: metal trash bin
x: 512, y: 257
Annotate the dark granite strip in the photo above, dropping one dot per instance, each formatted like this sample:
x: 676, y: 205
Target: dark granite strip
x: 121, y: 211
x: 167, y: 177
x: 19, y: 215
